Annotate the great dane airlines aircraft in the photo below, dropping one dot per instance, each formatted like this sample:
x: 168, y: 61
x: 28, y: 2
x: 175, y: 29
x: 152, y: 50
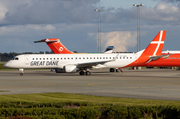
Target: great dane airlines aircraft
x: 70, y: 63
x: 58, y: 48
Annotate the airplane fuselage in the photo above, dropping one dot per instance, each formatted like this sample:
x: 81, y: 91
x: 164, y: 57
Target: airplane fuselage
x: 60, y: 60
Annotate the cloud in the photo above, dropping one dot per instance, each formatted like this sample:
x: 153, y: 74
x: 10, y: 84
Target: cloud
x: 173, y: 1
x: 25, y: 30
x: 75, y: 23
x: 162, y: 12
x: 122, y: 40
x: 47, y: 11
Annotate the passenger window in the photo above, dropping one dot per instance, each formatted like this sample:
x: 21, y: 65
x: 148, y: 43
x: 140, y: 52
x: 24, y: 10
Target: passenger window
x: 43, y: 58
x: 50, y: 58
x: 71, y: 58
x: 54, y: 58
x: 32, y: 58
x: 47, y: 58
x: 57, y: 58
x: 39, y: 58
x: 36, y: 58
x: 109, y: 57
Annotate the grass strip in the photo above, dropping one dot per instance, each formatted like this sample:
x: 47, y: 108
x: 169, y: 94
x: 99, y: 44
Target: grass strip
x: 64, y: 97
x: 4, y: 91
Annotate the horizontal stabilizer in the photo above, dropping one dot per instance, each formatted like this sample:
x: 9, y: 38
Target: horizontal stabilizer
x: 47, y: 40
x: 152, y: 58
x: 160, y: 56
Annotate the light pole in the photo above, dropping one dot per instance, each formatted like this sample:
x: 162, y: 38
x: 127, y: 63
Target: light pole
x: 99, y: 30
x: 138, y: 27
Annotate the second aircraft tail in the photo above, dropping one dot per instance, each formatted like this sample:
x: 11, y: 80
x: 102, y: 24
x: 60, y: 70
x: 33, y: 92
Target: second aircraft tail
x: 55, y: 45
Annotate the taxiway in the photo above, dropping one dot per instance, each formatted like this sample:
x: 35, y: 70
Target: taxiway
x: 162, y: 84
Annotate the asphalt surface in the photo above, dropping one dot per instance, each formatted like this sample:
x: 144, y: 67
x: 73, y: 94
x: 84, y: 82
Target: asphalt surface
x: 162, y: 84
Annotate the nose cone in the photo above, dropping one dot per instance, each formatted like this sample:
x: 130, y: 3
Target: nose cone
x: 7, y: 64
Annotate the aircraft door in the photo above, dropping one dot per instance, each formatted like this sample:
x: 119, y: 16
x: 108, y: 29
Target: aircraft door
x: 26, y: 59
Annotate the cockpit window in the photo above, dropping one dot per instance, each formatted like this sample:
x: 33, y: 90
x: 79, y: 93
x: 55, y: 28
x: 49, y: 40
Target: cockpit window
x: 16, y: 58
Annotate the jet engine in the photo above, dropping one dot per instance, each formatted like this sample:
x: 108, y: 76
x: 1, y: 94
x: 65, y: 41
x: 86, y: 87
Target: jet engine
x: 58, y: 70
x: 70, y: 69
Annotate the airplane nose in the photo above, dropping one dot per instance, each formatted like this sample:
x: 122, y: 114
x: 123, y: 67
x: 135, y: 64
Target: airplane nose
x: 6, y: 65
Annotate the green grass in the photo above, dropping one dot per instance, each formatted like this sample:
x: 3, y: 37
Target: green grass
x: 64, y: 97
x: 4, y: 91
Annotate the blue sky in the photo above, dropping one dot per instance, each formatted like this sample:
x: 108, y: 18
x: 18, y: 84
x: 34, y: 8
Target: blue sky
x: 75, y: 23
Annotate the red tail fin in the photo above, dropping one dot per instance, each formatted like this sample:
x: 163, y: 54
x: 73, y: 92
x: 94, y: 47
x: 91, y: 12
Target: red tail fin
x: 156, y: 46
x: 153, y: 49
x: 56, y: 46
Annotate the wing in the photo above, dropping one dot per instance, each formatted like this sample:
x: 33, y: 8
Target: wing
x: 91, y: 64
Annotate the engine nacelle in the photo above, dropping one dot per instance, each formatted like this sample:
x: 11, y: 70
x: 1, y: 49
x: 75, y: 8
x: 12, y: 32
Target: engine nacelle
x: 58, y: 70
x: 70, y: 69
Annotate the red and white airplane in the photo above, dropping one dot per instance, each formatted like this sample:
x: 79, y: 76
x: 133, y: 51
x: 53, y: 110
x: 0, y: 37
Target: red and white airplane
x: 83, y: 62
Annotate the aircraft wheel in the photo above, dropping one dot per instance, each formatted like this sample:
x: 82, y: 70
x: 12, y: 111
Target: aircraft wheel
x: 88, y: 73
x: 21, y: 74
x: 111, y: 70
x: 81, y: 73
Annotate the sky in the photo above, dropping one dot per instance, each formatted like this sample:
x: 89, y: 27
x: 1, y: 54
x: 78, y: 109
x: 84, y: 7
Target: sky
x: 75, y: 23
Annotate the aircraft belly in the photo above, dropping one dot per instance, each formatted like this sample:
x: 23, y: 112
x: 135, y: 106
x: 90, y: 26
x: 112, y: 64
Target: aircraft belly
x: 117, y: 64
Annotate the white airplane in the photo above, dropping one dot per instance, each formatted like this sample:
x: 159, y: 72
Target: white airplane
x: 70, y: 63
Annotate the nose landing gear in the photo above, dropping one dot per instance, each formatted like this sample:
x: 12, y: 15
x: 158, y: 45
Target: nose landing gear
x: 21, y: 72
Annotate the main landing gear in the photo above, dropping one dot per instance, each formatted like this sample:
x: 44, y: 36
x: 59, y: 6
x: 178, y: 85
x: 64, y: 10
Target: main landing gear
x: 117, y: 70
x: 83, y: 72
x: 21, y: 72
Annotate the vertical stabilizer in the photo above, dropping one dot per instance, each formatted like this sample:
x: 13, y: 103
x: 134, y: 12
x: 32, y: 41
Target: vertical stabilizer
x: 56, y: 46
x: 153, y: 49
